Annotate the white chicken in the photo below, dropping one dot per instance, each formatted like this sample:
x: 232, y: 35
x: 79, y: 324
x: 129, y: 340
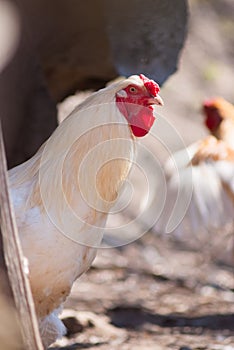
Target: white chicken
x: 206, y: 168
x: 63, y: 194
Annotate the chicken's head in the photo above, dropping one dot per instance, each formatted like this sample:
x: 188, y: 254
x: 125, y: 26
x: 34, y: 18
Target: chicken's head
x: 212, y: 114
x: 135, y: 102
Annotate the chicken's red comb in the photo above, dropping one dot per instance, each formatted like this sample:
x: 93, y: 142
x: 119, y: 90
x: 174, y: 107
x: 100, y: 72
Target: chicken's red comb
x: 214, y: 102
x: 209, y: 102
x: 150, y: 85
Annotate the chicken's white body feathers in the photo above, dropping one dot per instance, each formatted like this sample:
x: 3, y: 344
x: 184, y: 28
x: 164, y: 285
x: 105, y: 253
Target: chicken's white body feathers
x: 212, y: 203
x: 59, y: 213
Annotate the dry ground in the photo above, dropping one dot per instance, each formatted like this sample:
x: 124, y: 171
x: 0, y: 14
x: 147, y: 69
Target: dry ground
x: 153, y: 294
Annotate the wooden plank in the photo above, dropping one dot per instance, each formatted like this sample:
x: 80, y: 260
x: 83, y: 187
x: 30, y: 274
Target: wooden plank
x: 19, y: 283
x: 9, y: 328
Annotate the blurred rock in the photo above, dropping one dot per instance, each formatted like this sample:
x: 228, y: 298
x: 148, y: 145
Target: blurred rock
x: 28, y: 113
x: 77, y: 322
x: 81, y: 45
x: 72, y: 325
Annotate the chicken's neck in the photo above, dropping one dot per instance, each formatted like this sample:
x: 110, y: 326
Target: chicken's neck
x: 78, y: 173
x: 225, y: 132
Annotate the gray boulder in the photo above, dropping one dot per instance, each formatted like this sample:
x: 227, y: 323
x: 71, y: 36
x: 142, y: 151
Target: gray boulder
x: 71, y: 45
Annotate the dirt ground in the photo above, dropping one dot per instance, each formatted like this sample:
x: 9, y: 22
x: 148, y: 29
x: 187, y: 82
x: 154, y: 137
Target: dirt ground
x: 159, y: 293
x: 153, y: 294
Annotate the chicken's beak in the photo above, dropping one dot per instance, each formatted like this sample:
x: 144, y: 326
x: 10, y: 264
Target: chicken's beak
x: 156, y: 101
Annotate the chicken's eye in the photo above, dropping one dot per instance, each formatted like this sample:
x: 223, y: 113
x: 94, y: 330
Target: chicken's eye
x: 133, y: 89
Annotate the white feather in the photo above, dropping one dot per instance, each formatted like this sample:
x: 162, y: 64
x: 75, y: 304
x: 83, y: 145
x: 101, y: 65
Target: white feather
x: 59, y: 233
x: 211, y: 208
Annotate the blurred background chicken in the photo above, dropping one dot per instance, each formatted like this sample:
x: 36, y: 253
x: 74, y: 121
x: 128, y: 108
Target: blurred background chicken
x: 212, y: 203
x: 63, y: 194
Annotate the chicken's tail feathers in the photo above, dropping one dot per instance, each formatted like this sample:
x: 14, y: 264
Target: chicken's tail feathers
x: 51, y: 328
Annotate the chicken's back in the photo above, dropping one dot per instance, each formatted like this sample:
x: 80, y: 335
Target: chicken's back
x: 206, y: 169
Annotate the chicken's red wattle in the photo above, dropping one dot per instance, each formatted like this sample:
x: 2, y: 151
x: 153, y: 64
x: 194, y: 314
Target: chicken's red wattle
x: 139, y: 115
x: 142, y: 122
